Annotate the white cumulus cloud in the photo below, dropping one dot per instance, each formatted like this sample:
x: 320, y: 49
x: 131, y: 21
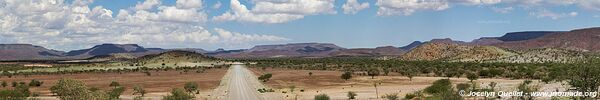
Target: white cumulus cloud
x: 276, y: 11
x: 352, y: 6
x: 66, y: 26
x: 408, y: 7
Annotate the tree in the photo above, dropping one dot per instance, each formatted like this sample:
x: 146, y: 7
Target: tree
x: 310, y: 73
x: 493, y: 86
x: 114, y: 84
x: 410, y: 72
x: 4, y: 84
x: 191, y: 87
x: 322, y: 97
x: 346, y: 75
x: 351, y: 95
x: 14, y: 84
x: 178, y: 94
x: 116, y: 92
x: 386, y: 71
x: 584, y: 78
x: 373, y: 72
x: 526, y: 88
x: 472, y: 76
x: 137, y: 89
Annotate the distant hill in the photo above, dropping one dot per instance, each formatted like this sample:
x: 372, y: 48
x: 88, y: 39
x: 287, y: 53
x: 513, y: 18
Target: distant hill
x: 579, y: 40
x: 411, y: 45
x: 369, y: 52
x: 222, y: 53
x: 27, y: 52
x: 197, y: 50
x: 107, y: 49
x: 526, y: 35
x: 290, y: 50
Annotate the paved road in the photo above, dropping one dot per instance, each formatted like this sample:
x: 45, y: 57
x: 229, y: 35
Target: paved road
x: 242, y: 84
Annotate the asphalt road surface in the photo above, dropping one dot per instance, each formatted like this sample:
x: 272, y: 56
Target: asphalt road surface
x: 241, y: 85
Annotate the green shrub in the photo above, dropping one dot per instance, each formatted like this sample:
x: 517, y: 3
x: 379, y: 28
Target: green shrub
x: 191, y: 87
x: 116, y: 92
x: 178, y: 94
x: 322, y: 97
x: 393, y: 96
x: 351, y: 95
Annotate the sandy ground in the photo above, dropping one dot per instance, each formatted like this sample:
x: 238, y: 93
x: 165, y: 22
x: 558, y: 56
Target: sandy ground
x: 157, y: 85
x: 330, y: 83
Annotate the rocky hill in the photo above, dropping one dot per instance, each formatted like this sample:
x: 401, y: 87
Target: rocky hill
x: 454, y: 52
x: 543, y: 55
x: 174, y: 56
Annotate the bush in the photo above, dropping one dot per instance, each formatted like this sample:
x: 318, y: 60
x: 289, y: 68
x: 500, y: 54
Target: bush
x: 178, y: 94
x: 263, y: 90
x: 35, y: 83
x: 12, y: 95
x: 351, y: 95
x: 69, y: 89
x: 116, y: 92
x: 191, y: 87
x: 4, y: 84
x: 439, y: 86
x: 137, y: 89
x: 463, y: 86
x: 265, y: 77
x: 346, y: 75
x: 322, y: 97
x: 114, y: 84
x: 393, y: 96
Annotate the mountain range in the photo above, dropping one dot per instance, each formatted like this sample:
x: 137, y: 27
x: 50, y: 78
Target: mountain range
x: 579, y: 40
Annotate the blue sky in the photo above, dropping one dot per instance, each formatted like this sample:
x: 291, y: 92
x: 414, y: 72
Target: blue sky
x: 423, y: 20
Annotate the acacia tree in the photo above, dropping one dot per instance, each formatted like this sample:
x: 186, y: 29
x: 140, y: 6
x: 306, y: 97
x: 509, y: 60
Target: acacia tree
x: 472, y: 76
x: 138, y: 89
x: 4, y: 84
x: 191, y: 87
x: 114, y: 84
x: 346, y: 75
x: 373, y: 72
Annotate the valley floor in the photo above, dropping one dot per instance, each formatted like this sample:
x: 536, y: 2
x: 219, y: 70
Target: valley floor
x: 158, y: 84
x: 330, y: 83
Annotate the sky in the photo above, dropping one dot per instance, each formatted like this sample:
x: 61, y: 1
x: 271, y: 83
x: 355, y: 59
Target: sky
x: 237, y: 24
